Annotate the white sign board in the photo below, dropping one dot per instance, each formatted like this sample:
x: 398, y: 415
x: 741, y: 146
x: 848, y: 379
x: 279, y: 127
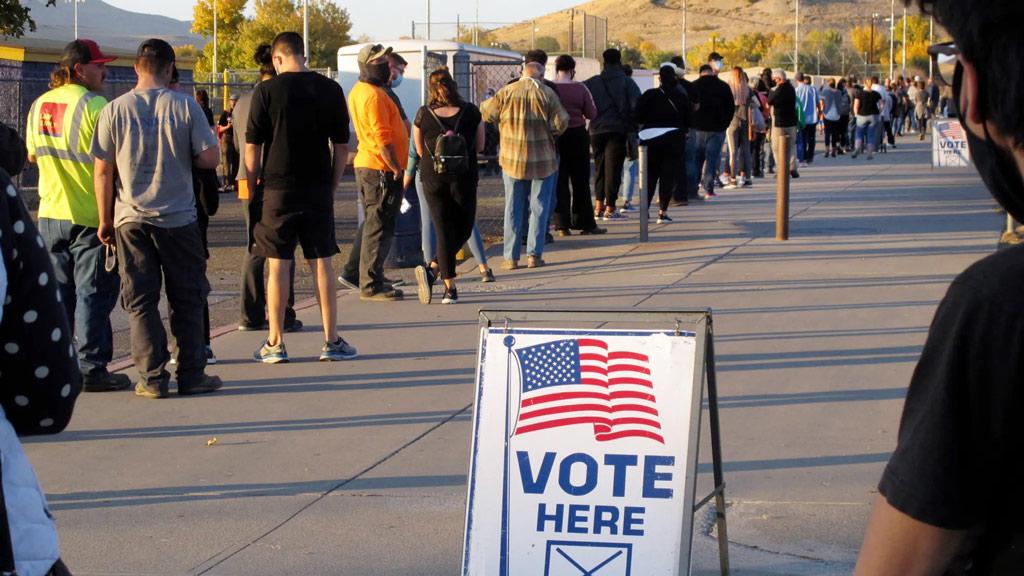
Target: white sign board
x: 949, y: 145
x: 584, y: 453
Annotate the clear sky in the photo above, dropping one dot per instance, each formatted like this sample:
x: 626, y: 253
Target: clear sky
x: 389, y: 18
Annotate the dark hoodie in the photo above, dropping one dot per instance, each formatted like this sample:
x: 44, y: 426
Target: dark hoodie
x: 615, y: 96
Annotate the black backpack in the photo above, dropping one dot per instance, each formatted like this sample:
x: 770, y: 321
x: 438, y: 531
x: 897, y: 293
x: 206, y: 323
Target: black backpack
x: 451, y: 151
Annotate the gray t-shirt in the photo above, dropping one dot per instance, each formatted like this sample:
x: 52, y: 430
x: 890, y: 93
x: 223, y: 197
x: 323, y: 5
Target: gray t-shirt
x: 152, y: 136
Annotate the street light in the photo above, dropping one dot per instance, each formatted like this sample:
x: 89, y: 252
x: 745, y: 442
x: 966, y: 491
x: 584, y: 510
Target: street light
x: 76, y: 2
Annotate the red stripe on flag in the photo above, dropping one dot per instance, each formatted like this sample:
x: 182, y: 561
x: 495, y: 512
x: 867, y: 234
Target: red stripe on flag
x: 563, y: 409
x: 628, y: 368
x: 556, y: 397
x: 557, y: 423
x: 629, y: 434
x: 623, y: 380
x: 634, y: 408
x: 636, y: 421
x: 628, y: 356
x: 595, y: 343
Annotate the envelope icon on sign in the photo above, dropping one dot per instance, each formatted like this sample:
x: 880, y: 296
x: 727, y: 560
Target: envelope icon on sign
x: 566, y: 558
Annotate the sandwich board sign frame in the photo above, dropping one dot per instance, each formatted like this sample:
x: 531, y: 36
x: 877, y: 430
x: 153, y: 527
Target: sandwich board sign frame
x: 585, y: 443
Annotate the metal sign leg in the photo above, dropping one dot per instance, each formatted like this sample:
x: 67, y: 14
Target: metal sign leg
x: 716, y: 453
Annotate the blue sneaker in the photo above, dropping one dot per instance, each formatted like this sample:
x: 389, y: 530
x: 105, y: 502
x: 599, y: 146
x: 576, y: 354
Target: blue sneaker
x: 268, y: 354
x: 337, y: 350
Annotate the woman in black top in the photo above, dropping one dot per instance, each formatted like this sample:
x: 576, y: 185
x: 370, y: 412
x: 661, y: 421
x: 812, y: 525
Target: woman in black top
x: 451, y: 195
x: 664, y: 107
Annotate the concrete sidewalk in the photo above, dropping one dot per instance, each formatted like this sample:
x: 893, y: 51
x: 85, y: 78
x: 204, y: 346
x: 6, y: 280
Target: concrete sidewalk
x: 359, y: 467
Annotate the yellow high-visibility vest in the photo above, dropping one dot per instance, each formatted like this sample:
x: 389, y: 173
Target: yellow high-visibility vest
x: 59, y: 134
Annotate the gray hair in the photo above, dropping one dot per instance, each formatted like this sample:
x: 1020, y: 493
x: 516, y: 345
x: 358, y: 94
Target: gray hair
x: 534, y: 70
x: 779, y: 73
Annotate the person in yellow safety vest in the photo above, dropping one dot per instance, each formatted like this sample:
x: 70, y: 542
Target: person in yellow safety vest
x: 59, y: 137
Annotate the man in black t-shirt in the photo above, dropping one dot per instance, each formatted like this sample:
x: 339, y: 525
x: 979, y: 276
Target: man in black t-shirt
x: 950, y: 499
x: 298, y: 116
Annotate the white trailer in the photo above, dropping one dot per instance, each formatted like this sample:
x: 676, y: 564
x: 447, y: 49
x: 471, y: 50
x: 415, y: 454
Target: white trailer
x: 475, y: 69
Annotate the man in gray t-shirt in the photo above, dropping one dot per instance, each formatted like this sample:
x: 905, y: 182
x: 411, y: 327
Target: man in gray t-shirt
x: 152, y: 137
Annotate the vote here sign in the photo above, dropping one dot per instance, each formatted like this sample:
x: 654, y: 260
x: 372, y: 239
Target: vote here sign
x: 581, y: 453
x: 949, y: 145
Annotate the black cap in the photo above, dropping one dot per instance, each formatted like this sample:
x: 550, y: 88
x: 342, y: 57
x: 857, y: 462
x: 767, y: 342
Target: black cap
x: 156, y: 49
x: 715, y: 56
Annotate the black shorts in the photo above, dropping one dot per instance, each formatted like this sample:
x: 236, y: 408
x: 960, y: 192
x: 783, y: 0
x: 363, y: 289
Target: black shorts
x: 282, y: 228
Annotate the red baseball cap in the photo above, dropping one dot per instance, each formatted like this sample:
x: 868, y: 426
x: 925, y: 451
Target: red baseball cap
x: 84, y: 51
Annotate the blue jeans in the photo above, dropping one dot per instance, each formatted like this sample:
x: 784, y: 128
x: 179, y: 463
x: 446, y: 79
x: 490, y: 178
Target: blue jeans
x: 87, y: 290
x: 630, y: 178
x: 867, y: 130
x: 708, y: 157
x: 691, y: 164
x: 428, y: 236
x: 517, y: 192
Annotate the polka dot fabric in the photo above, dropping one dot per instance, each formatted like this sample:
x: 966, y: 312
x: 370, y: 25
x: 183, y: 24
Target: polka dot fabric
x: 38, y: 381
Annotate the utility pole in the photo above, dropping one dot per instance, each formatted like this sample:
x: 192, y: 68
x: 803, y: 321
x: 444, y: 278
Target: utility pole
x: 428, y: 20
x: 572, y: 31
x: 533, y: 34
x: 819, y: 60
x: 686, y: 10
x: 892, y: 37
x: 796, y: 43
x: 476, y: 27
x: 305, y: 29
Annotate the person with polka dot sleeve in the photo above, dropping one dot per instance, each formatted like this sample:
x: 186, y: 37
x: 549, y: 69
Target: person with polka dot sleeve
x: 39, y: 382
x: 39, y: 375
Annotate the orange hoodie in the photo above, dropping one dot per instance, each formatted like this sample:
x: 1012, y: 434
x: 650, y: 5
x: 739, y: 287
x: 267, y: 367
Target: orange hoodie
x: 377, y: 124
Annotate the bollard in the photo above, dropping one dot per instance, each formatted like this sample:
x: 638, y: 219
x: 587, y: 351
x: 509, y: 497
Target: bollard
x: 642, y: 174
x: 782, y: 189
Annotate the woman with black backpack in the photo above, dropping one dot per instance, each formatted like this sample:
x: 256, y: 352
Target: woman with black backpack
x: 666, y: 110
x: 448, y: 134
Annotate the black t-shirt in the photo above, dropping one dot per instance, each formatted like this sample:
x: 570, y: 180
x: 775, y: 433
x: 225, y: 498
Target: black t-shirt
x: 782, y: 99
x: 296, y: 115
x: 959, y: 460
x: 430, y: 129
x: 869, y: 100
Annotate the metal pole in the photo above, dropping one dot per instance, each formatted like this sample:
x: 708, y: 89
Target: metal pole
x: 796, y: 41
x: 572, y: 29
x: 213, y: 74
x: 819, y: 60
x: 641, y: 158
x: 782, y: 189
x: 76, y: 18
x: 931, y: 40
x: 305, y: 29
x: 458, y: 27
x: 533, y: 34
x: 871, y: 47
x: 476, y: 29
x: 716, y: 453
x: 892, y: 38
x: 584, y: 34
x: 428, y: 19
x: 904, y: 72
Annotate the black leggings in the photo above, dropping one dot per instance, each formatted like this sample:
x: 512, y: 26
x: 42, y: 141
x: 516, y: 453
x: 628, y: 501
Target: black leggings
x: 574, y: 209
x: 663, y: 157
x: 453, y: 210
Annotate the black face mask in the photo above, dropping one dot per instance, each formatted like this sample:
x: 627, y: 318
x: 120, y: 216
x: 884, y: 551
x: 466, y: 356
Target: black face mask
x: 376, y: 74
x: 996, y: 165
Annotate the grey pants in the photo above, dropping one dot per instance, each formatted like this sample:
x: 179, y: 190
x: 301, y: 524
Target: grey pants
x: 147, y: 255
x: 382, y: 196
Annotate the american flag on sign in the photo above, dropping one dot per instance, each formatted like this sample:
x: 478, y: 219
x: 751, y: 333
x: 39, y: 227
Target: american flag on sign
x: 581, y: 381
x: 951, y: 130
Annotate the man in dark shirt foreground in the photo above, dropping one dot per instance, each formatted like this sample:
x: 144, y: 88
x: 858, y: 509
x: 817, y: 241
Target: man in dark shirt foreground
x: 299, y: 116
x: 950, y: 499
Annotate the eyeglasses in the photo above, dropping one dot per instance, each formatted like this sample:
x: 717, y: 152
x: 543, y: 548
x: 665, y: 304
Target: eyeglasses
x: 944, y: 57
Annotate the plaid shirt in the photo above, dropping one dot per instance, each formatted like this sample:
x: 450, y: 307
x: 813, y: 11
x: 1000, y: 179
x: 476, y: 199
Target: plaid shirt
x: 529, y: 116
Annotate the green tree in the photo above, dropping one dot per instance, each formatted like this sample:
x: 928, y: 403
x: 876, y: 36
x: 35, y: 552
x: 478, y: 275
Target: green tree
x: 13, y: 19
x: 547, y: 44
x: 861, y: 36
x: 238, y: 36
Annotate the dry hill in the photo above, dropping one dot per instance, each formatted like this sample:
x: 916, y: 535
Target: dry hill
x: 660, y: 21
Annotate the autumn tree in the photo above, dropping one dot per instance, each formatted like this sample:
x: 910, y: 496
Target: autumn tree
x: 14, y: 18
x: 861, y: 37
